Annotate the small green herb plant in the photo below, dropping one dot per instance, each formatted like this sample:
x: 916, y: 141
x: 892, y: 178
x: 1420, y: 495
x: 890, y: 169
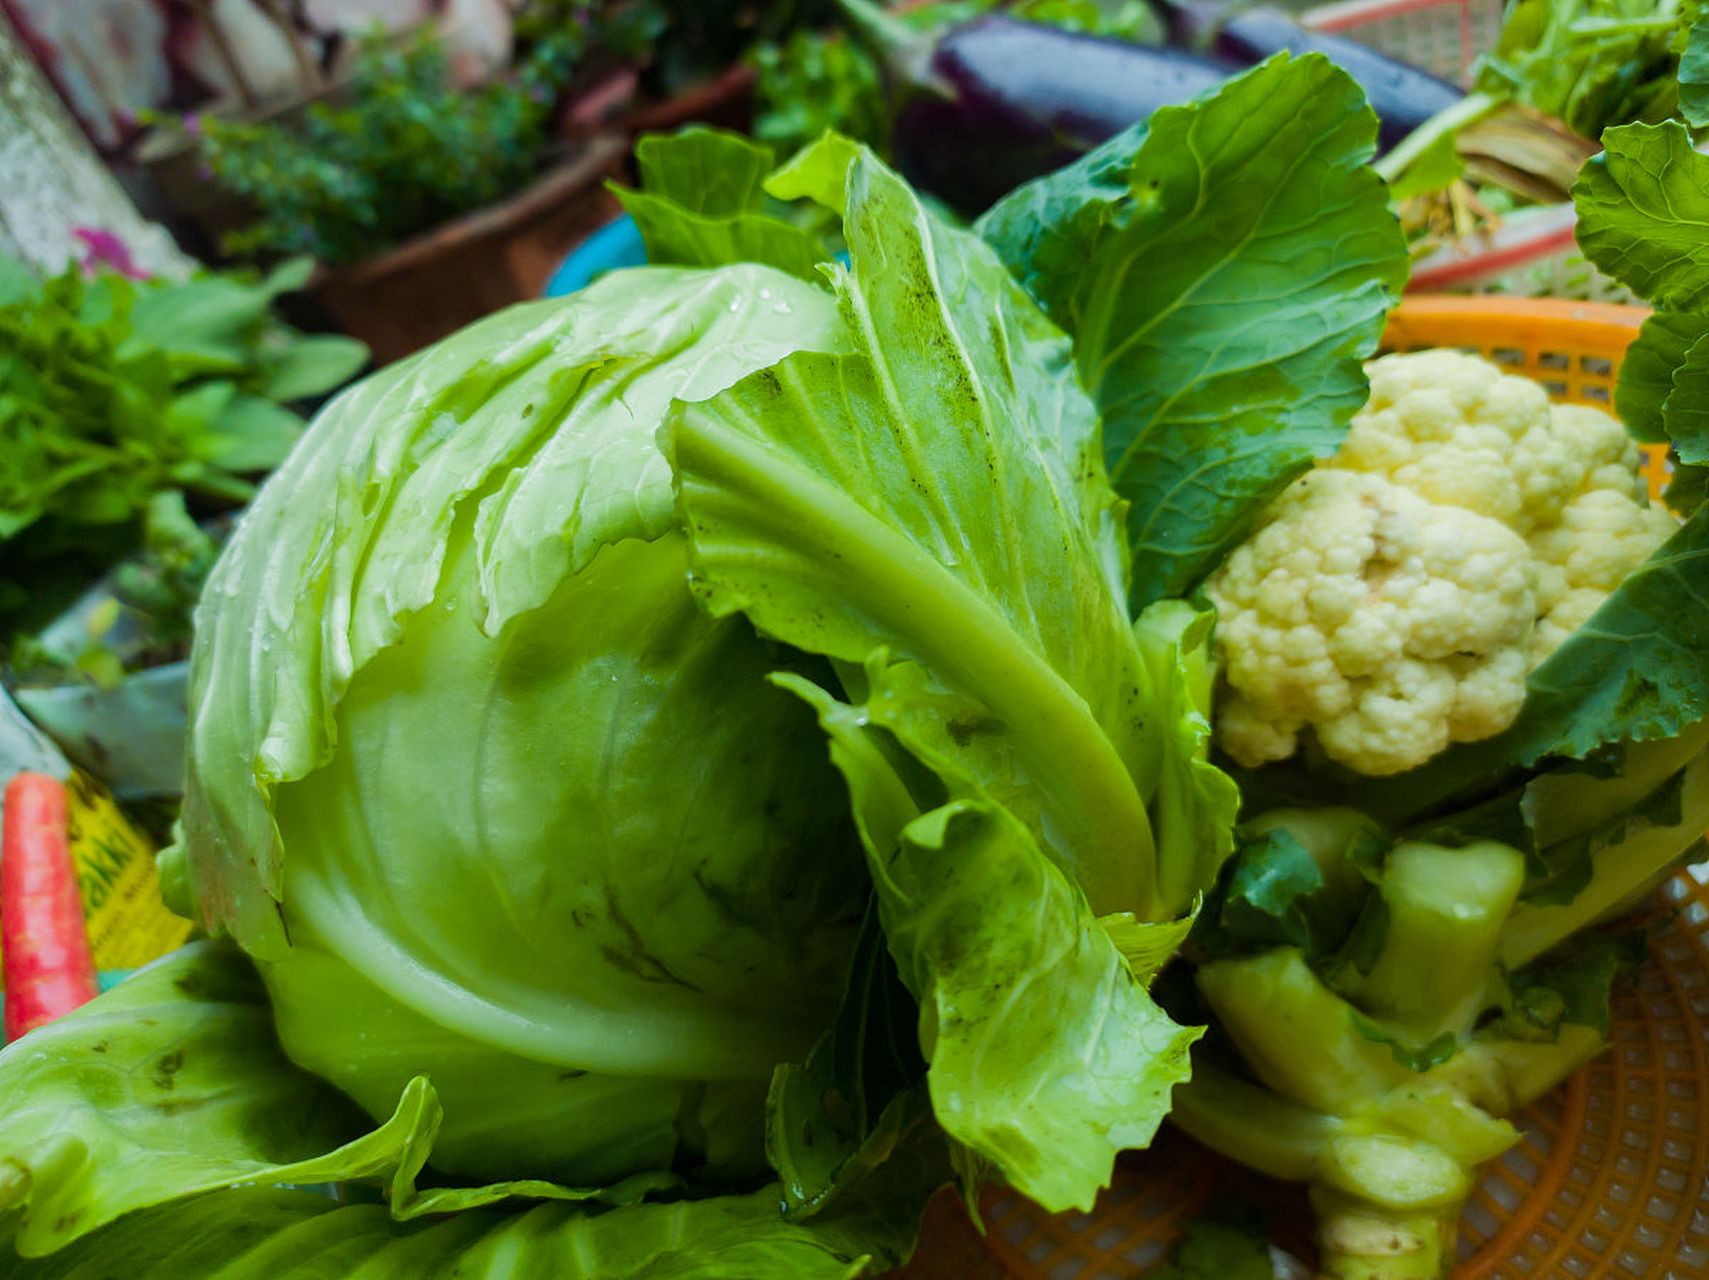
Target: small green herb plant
x: 398, y: 150
x: 116, y: 391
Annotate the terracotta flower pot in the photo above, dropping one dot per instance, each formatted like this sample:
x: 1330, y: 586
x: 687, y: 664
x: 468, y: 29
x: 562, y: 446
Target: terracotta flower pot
x: 437, y: 282
x: 726, y: 99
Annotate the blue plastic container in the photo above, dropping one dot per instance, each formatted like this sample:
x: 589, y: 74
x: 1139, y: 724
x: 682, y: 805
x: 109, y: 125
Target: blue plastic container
x: 616, y: 244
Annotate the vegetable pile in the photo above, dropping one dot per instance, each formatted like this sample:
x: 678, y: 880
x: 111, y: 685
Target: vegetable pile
x: 680, y: 773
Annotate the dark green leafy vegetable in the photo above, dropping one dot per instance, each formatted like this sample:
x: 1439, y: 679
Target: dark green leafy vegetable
x: 1641, y: 207
x: 1220, y: 334
x: 1685, y: 491
x: 1301, y: 878
x: 1589, y: 63
x: 1576, y: 988
x: 823, y: 80
x: 1220, y: 1246
x: 1646, y: 373
x: 805, y: 489
x: 1694, y: 76
x: 859, y: 1100
x: 814, y: 82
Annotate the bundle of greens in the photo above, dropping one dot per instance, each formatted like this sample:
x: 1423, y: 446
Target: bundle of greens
x: 815, y: 79
x: 116, y: 394
x: 1596, y: 63
x: 674, y: 769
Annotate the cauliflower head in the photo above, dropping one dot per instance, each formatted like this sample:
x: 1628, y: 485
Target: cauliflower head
x: 1394, y: 599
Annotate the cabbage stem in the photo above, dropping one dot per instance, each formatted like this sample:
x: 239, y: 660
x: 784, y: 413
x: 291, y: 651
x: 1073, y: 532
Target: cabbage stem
x: 828, y: 539
x: 1622, y: 875
x: 1445, y: 909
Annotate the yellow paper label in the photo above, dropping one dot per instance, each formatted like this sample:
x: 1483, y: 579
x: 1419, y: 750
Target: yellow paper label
x: 128, y: 923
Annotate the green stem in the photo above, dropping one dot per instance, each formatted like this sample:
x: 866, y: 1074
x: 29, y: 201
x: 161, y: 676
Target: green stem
x: 1622, y: 875
x: 1468, y: 110
x: 1623, y: 26
x: 1361, y: 1241
x: 917, y: 605
x: 1296, y: 1035
x: 1503, y: 1075
x: 1248, y: 1123
x: 1445, y: 911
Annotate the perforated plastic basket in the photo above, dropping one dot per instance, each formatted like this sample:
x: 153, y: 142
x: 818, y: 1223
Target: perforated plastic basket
x: 1612, y: 1178
x: 1442, y: 36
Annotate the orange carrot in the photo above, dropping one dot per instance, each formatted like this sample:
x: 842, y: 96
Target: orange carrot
x: 43, y: 943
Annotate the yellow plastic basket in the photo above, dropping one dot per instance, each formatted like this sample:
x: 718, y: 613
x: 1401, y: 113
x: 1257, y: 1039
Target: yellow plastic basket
x: 1612, y: 1178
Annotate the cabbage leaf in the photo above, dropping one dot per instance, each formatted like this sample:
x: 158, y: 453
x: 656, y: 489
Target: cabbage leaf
x: 183, y: 1118
x: 298, y: 1235
x: 930, y: 512
x: 703, y: 203
x: 542, y: 448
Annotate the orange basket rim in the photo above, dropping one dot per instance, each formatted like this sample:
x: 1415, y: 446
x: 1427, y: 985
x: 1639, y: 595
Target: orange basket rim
x: 1564, y: 315
x: 1493, y: 323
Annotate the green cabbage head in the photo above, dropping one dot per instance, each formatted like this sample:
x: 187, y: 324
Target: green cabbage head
x: 478, y: 785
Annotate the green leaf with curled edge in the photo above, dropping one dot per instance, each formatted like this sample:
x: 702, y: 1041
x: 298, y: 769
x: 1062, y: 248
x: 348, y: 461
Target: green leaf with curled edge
x: 929, y: 512
x: 1000, y: 950
x: 1685, y: 412
x: 1647, y: 369
x: 1643, y: 214
x: 703, y: 201
x: 173, y: 1084
x: 1576, y: 988
x: 148, y: 1132
x: 1694, y: 76
x: 854, y: 1115
x: 298, y: 1235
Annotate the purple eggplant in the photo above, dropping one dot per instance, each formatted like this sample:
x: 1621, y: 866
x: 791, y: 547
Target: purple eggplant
x: 996, y: 102
x: 1403, y: 96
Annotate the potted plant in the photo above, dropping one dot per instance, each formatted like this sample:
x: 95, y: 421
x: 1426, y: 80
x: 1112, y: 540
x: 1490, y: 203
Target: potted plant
x: 426, y: 205
x: 134, y: 416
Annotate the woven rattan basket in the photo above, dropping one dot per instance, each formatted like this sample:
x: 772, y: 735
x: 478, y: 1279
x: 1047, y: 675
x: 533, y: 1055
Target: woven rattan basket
x: 1612, y: 1178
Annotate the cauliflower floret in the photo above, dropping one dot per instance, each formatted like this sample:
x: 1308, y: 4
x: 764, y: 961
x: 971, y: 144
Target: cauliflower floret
x: 1394, y: 599
x: 1448, y: 426
x: 1349, y: 610
x: 1603, y: 534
